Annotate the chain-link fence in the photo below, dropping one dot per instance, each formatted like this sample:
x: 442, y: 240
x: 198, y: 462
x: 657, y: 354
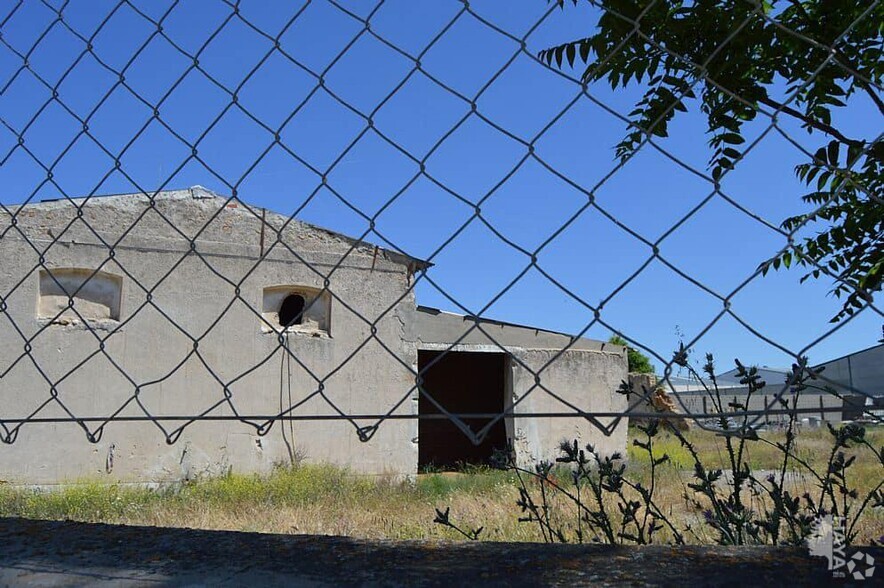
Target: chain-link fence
x: 178, y: 307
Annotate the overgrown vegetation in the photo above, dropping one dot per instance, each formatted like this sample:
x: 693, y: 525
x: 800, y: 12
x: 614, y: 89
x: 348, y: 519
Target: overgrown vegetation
x: 316, y: 499
x: 320, y: 499
x: 588, y: 496
x: 639, y: 363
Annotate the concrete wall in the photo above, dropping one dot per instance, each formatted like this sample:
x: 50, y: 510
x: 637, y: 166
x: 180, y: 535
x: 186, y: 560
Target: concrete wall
x: 155, y: 355
x: 435, y: 328
x: 584, y: 379
x: 583, y: 374
x: 179, y: 325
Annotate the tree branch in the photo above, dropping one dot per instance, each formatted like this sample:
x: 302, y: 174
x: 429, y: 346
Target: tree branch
x: 878, y: 102
x: 820, y: 126
x: 870, y: 91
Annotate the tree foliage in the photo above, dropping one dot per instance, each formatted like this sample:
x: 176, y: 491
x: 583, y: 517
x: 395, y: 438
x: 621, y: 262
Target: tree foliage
x: 737, y: 59
x: 639, y: 363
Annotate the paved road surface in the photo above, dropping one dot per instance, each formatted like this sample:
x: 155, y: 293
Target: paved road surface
x: 46, y: 553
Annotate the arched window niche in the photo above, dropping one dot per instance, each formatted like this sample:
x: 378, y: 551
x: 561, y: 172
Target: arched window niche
x: 96, y: 296
x: 298, y: 309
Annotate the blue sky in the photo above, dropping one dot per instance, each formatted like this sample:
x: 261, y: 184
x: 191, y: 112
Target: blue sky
x: 528, y: 202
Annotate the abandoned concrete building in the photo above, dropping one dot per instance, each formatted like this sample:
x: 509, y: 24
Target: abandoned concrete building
x: 183, y: 304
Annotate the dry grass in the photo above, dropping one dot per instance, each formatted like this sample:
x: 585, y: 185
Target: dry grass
x: 812, y: 446
x: 327, y: 500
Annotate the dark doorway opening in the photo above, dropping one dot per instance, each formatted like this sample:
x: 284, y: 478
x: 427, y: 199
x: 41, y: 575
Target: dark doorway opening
x: 291, y: 311
x: 462, y: 382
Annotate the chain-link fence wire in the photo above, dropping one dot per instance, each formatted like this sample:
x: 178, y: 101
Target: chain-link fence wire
x: 172, y: 425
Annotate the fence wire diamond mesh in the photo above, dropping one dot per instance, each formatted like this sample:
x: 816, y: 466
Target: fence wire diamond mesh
x: 213, y: 58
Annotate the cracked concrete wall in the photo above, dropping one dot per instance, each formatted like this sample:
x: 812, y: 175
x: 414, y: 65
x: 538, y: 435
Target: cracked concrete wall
x: 569, y: 380
x: 153, y: 343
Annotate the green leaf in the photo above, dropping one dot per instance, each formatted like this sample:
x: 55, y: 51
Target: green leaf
x: 833, y: 152
x: 732, y: 153
x: 732, y: 139
x: 760, y: 66
x: 584, y: 51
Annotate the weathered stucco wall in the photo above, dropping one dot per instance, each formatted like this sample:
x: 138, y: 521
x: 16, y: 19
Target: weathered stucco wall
x: 433, y: 328
x: 584, y: 374
x: 183, y: 360
x: 587, y: 380
x: 178, y: 326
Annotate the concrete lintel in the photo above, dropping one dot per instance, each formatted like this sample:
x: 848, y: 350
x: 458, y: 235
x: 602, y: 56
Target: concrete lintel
x: 476, y: 348
x: 466, y: 348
